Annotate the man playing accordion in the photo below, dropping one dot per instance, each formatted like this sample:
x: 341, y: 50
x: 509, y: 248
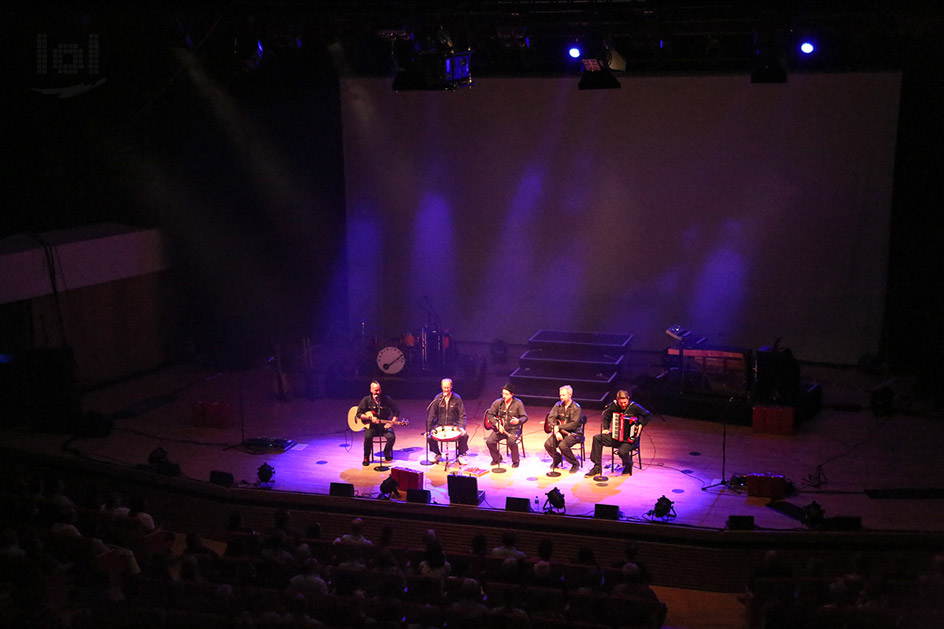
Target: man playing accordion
x: 622, y: 423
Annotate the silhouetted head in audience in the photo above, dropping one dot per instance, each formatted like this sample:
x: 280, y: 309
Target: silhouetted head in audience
x: 479, y: 544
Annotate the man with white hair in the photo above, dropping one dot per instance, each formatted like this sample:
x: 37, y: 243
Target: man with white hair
x: 564, y: 425
x: 447, y: 409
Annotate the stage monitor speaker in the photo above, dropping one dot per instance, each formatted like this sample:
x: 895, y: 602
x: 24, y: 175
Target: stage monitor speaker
x: 740, y: 523
x: 463, y: 490
x: 345, y: 490
x: 417, y: 495
x: 606, y: 512
x: 522, y: 505
x: 223, y: 479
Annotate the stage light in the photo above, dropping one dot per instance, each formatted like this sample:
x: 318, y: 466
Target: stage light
x: 435, y: 71
x: 556, y: 501
x: 388, y: 487
x: 596, y: 77
x: 265, y: 473
x: 664, y: 508
x: 807, y: 47
x: 599, y: 63
x: 574, y: 52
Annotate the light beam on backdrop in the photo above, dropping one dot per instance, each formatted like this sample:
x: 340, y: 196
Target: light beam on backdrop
x: 720, y: 290
x: 434, y: 249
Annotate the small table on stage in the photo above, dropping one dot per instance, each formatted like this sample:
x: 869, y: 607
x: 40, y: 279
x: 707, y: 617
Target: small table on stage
x: 446, y: 435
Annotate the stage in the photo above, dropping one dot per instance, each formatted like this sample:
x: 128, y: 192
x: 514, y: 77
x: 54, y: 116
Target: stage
x: 877, y: 473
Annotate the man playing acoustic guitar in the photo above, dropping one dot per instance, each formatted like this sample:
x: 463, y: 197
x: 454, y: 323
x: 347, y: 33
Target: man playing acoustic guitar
x: 380, y: 413
x: 505, y: 417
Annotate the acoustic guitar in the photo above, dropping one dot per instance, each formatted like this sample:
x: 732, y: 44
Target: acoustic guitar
x: 493, y: 424
x: 357, y: 424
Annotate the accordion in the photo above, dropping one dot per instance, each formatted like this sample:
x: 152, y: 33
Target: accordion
x: 626, y: 428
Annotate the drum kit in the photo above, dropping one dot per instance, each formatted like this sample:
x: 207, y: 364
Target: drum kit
x: 414, y: 350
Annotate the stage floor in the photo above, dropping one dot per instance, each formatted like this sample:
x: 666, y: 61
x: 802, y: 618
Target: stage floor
x: 833, y: 459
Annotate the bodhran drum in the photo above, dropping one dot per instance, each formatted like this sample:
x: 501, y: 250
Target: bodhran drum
x: 447, y: 433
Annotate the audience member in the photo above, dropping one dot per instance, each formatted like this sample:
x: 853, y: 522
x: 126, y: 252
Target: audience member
x: 356, y: 535
x: 508, y: 549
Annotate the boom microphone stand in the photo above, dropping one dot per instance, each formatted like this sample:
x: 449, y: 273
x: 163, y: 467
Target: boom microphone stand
x: 427, y: 460
x: 724, y: 448
x: 602, y: 477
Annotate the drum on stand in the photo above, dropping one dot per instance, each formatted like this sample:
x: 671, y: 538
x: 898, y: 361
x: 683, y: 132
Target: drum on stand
x: 446, y: 435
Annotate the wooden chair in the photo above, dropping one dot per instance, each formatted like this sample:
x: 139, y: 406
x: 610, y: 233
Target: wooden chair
x: 634, y: 453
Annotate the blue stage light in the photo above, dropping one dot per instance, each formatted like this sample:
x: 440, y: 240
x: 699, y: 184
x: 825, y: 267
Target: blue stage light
x: 574, y: 52
x: 807, y: 47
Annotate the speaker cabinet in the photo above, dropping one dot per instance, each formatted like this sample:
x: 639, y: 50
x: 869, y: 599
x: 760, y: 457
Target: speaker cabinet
x: 464, y: 490
x: 740, y: 523
x: 778, y: 377
x: 606, y: 512
x: 223, y: 479
x: 345, y: 490
x: 417, y: 495
x: 522, y: 505
x: 407, y: 479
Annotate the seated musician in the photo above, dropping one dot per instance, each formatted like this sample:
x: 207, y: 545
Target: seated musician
x: 621, y: 406
x: 446, y: 409
x: 381, y: 414
x: 505, y: 417
x: 564, y: 425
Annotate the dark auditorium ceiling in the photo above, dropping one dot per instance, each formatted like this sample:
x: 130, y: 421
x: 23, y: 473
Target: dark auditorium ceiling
x: 520, y: 37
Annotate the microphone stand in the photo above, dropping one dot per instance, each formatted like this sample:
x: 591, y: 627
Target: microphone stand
x: 724, y: 448
x: 426, y: 436
x: 498, y: 469
x: 553, y: 473
x: 602, y: 477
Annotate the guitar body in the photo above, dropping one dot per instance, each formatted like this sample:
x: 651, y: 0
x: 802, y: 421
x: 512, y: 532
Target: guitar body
x: 356, y: 424
x: 353, y: 422
x: 490, y: 426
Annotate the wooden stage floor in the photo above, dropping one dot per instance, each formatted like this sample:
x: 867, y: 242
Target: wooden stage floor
x: 833, y: 459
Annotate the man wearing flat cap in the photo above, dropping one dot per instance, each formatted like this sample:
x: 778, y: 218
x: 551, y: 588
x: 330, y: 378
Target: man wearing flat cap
x: 505, y: 417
